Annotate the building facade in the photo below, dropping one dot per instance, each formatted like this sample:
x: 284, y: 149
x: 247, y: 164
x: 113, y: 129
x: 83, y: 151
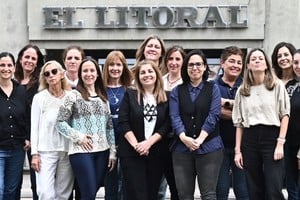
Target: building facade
x: 100, y: 26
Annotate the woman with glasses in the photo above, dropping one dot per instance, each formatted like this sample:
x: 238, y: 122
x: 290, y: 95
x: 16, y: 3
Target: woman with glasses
x: 197, y: 150
x: 85, y: 119
x: 49, y: 149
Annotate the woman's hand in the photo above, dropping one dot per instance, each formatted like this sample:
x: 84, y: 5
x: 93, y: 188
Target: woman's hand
x: 36, y: 162
x: 87, y: 143
x: 111, y: 164
x: 143, y: 147
x: 27, y: 145
x: 278, y: 153
x: 238, y: 159
x: 190, y: 143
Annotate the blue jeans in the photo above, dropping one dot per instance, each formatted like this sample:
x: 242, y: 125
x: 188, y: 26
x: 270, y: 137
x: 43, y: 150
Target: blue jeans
x: 230, y: 173
x: 291, y: 171
x: 114, y: 184
x: 11, y: 170
x: 206, y: 167
x: 264, y: 174
x: 89, y: 170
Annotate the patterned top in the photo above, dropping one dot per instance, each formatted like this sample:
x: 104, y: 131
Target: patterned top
x: 78, y: 117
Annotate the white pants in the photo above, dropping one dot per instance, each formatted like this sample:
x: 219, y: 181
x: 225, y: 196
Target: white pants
x: 55, y: 179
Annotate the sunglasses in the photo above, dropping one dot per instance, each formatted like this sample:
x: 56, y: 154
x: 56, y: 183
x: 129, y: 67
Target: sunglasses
x: 53, y: 72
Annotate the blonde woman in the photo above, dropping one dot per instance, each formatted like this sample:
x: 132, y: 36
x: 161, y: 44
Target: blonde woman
x: 49, y: 149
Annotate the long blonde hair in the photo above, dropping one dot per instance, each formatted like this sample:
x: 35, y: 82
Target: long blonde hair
x: 269, y: 80
x: 159, y: 93
x: 43, y: 83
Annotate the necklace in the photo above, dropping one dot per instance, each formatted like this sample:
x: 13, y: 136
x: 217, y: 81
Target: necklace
x: 114, y: 100
x: 58, y: 95
x: 172, y: 82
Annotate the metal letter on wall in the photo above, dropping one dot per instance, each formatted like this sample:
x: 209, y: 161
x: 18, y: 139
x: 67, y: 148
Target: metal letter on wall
x: 68, y: 14
x: 141, y: 13
x: 235, y: 12
x: 187, y: 17
x: 52, y: 18
x: 213, y: 18
x: 123, y: 17
x: 163, y: 17
x: 101, y: 13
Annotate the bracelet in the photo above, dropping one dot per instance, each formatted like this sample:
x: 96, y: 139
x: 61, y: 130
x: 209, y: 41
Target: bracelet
x: 281, y: 140
x: 237, y: 152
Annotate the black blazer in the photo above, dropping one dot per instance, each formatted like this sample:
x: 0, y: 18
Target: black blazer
x: 131, y: 118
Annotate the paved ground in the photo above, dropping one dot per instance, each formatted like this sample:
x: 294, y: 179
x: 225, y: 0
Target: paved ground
x: 26, y: 191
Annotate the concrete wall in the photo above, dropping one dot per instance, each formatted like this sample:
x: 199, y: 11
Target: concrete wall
x: 13, y: 25
x: 270, y: 21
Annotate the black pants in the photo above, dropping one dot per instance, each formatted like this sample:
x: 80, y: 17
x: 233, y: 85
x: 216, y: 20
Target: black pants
x: 142, y: 176
x: 264, y: 175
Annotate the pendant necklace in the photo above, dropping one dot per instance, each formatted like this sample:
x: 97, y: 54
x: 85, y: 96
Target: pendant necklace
x: 114, y: 96
x: 172, y: 82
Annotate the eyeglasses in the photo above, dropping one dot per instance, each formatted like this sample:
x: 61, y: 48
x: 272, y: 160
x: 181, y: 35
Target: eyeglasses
x: 197, y: 65
x: 53, y: 72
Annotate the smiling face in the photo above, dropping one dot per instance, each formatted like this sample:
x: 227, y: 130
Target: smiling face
x: 89, y: 73
x: 232, y: 66
x: 174, y: 62
x: 296, y: 64
x: 115, y: 69
x: 7, y: 68
x: 284, y: 58
x: 196, y: 68
x: 147, y: 75
x: 257, y: 62
x: 29, y: 60
x: 153, y: 50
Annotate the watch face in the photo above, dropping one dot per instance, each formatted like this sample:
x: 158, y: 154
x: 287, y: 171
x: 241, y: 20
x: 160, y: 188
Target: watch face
x: 227, y: 104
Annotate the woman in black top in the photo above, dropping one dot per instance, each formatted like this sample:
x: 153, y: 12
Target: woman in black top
x: 14, y: 129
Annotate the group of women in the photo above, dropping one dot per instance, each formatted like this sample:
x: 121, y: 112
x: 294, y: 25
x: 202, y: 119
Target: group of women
x: 163, y: 122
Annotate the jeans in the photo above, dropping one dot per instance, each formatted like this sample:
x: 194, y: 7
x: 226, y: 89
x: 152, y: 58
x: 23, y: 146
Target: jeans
x: 32, y: 180
x: 55, y: 179
x: 206, y: 167
x: 89, y: 170
x: 11, y: 170
x: 113, y: 184
x: 291, y: 171
x: 230, y: 173
x: 264, y: 174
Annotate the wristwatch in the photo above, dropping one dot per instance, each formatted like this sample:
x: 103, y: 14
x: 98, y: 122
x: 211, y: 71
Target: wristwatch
x: 227, y: 104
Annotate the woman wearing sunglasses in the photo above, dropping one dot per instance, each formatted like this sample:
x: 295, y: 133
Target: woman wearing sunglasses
x: 85, y: 119
x: 49, y: 149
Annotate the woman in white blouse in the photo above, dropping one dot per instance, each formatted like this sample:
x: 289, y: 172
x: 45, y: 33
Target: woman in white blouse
x: 49, y: 149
